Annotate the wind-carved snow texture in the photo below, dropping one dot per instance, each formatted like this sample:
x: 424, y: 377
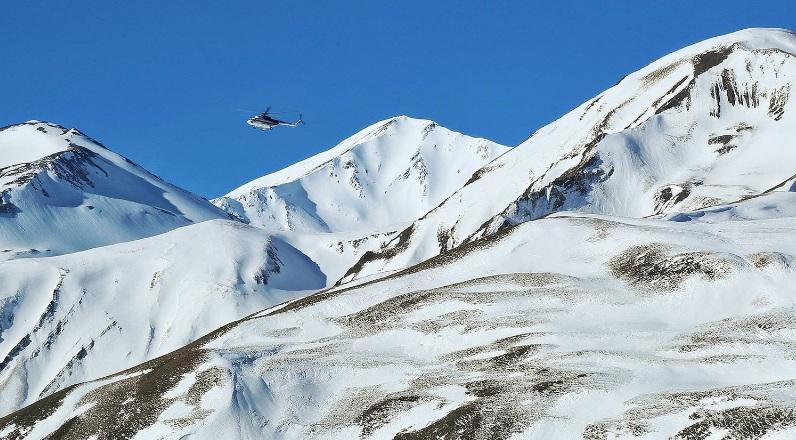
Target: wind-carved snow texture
x: 703, y: 126
x: 627, y: 272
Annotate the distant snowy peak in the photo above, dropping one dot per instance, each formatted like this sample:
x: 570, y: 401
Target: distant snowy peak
x: 32, y: 147
x: 699, y: 127
x: 34, y: 140
x: 307, y: 166
x: 389, y: 173
x: 706, y: 125
x: 62, y: 191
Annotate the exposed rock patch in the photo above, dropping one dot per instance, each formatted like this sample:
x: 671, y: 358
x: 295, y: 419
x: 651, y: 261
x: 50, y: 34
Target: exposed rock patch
x: 649, y: 266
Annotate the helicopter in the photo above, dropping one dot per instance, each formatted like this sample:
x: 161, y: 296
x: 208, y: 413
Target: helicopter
x: 265, y: 122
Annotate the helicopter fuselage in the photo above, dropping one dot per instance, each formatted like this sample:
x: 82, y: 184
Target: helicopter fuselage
x: 262, y: 124
x: 265, y: 122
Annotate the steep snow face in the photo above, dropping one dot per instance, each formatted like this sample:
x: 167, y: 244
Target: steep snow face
x: 706, y: 125
x: 77, y: 317
x: 572, y: 326
x: 387, y: 174
x: 61, y: 191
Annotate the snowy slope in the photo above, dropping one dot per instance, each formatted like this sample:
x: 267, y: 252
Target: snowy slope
x: 706, y: 125
x: 80, y: 316
x: 335, y: 252
x: 573, y: 326
x: 61, y: 191
x: 387, y: 174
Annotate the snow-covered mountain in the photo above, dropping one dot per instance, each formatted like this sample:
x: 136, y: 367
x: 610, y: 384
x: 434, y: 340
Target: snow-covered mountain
x: 90, y: 298
x: 80, y: 316
x: 61, y: 191
x: 572, y: 326
x: 387, y: 174
x: 706, y: 125
x: 626, y: 272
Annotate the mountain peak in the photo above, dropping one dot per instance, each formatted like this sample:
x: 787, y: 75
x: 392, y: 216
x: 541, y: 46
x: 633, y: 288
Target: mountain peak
x: 760, y: 37
x: 33, y: 140
x: 708, y: 53
x: 387, y: 173
x: 57, y: 179
x: 407, y: 127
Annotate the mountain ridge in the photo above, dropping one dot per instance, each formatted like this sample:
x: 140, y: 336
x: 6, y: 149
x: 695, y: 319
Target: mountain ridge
x: 570, y: 163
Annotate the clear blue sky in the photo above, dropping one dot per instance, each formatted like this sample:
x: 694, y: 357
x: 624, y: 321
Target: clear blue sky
x: 159, y: 81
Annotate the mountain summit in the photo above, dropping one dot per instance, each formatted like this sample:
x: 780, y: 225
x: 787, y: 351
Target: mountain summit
x: 383, y: 176
x: 61, y: 191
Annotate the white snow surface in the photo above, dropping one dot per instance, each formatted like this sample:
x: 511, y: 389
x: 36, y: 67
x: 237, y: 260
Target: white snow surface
x: 80, y: 316
x: 61, y: 191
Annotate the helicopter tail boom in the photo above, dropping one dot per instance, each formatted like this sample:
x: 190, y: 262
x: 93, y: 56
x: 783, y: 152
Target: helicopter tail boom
x: 300, y: 121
